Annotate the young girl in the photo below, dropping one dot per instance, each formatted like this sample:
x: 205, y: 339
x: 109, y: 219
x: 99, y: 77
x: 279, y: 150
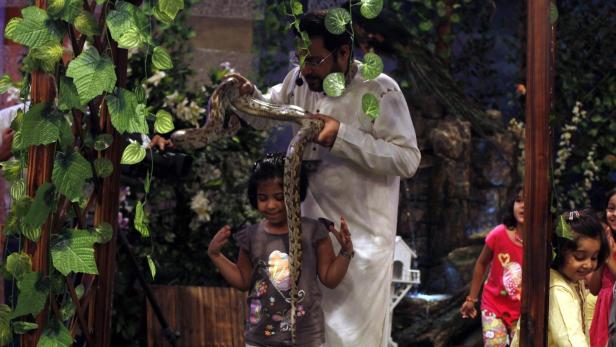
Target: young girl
x: 500, y: 301
x: 602, y: 280
x: 263, y: 263
x: 576, y: 255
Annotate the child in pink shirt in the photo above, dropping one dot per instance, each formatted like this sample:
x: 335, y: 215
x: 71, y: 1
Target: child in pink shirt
x: 500, y: 300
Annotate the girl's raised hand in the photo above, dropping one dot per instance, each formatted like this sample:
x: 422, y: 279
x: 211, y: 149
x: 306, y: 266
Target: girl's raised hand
x: 219, y: 240
x: 343, y: 236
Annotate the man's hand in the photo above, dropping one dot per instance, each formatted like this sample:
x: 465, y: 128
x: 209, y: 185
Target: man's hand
x: 327, y: 136
x: 246, y: 88
x: 7, y: 144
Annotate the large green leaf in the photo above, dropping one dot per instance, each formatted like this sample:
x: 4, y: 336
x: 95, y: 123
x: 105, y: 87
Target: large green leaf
x: 371, y: 8
x: 73, y: 251
x: 33, y: 292
x: 70, y: 171
x: 39, y: 127
x: 336, y: 20
x: 34, y: 29
x: 170, y: 7
x: 41, y: 206
x: 18, y: 264
x: 66, y: 10
x: 103, y: 167
x: 372, y: 66
x: 68, y: 97
x: 6, y: 334
x: 370, y: 105
x: 129, y: 26
x: 334, y: 84
x: 133, y: 154
x: 161, y: 59
x: 92, y: 74
x: 164, y: 122
x: 141, y: 220
x: 55, y: 335
x: 125, y: 115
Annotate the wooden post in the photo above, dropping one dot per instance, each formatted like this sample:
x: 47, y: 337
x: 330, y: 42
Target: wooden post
x: 537, y: 221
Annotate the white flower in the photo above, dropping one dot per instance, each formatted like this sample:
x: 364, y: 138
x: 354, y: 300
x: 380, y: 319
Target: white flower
x: 156, y: 78
x: 200, y: 204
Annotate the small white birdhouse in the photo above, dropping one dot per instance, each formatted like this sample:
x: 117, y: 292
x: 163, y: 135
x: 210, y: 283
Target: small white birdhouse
x: 403, y: 260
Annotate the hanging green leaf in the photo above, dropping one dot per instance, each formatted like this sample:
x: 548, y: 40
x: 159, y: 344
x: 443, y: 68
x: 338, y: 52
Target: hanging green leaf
x: 21, y: 327
x: 67, y: 310
x: 17, y: 141
x: 6, y: 334
x: 86, y: 24
x: 563, y: 229
x: 73, y: 251
x: 139, y: 92
x: 31, y: 233
x: 425, y: 25
x: 152, y: 266
x: 161, y: 16
x: 103, y: 232
x: 336, y: 20
x: 297, y: 8
x: 161, y: 59
x: 103, y: 167
x: 133, y: 154
x: 11, y: 170
x: 57, y: 282
x: 170, y: 7
x: 370, y: 105
x: 92, y: 74
x: 70, y: 172
x: 47, y: 56
x: 68, y: 97
x: 371, y: 8
x: 141, y: 220
x: 66, y: 10
x: 66, y: 133
x: 553, y: 13
x: 148, y: 181
x: 334, y: 84
x: 124, y: 114
x: 103, y: 141
x: 33, y: 292
x: 5, y: 83
x: 55, y: 335
x: 18, y: 189
x: 372, y: 66
x: 164, y: 122
x: 41, y: 206
x: 18, y: 264
x: 128, y: 25
x: 35, y: 29
x: 39, y: 126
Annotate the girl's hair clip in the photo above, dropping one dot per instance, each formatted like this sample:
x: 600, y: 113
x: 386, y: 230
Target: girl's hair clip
x: 574, y: 214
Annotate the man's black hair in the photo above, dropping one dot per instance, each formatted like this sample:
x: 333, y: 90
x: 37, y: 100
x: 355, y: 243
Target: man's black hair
x: 313, y: 23
x: 271, y: 167
x: 583, y: 224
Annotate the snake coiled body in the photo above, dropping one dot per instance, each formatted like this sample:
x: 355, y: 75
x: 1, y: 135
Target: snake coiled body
x: 227, y: 98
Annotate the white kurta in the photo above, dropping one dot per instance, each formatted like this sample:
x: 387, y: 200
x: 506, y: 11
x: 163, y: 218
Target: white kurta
x: 359, y: 179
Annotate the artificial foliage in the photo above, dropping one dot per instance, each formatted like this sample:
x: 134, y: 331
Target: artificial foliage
x: 86, y: 84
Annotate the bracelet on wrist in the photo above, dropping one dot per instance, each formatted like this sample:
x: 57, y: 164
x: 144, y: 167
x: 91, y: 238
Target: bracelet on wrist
x: 346, y: 254
x: 471, y: 299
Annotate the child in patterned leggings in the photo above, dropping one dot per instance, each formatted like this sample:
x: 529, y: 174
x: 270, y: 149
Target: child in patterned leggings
x: 500, y: 300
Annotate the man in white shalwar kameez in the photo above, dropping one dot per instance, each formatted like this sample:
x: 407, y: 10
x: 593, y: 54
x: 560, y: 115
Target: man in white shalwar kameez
x: 359, y: 162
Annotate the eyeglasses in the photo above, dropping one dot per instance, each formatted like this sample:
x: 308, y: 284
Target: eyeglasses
x: 309, y: 61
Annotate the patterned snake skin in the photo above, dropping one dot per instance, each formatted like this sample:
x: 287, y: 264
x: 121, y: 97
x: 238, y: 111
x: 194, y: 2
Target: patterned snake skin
x: 226, y: 97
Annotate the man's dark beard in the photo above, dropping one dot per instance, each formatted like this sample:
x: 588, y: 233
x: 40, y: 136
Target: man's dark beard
x: 315, y: 83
